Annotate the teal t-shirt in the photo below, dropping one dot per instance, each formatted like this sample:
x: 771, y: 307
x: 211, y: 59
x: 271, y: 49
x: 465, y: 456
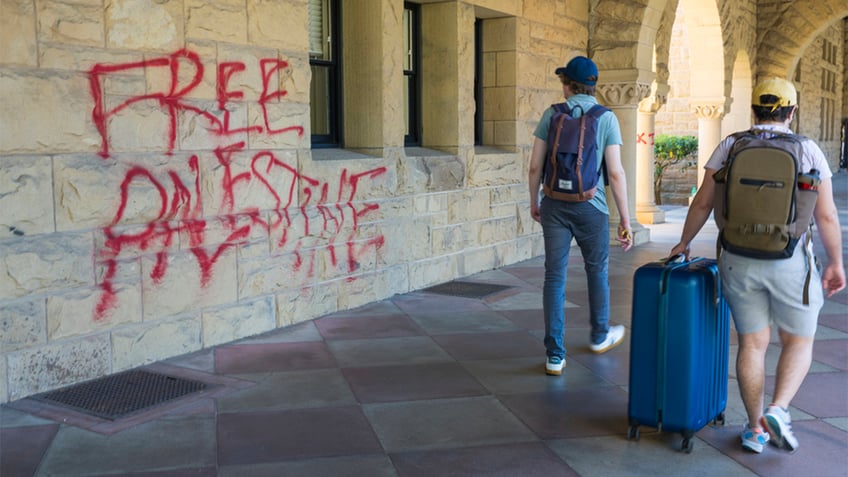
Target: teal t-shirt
x: 609, y: 132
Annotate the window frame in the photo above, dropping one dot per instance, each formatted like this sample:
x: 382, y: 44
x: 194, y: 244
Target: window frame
x: 333, y: 68
x: 412, y: 78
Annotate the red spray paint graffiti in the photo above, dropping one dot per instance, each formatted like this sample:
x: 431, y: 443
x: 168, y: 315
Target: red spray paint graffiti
x: 179, y: 207
x: 174, y: 99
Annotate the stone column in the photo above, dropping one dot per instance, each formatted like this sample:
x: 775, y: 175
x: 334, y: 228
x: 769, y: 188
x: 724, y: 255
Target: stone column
x: 647, y: 211
x: 709, y: 113
x: 623, y: 99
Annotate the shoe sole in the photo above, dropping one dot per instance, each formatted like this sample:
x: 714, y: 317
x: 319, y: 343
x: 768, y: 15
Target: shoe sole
x: 554, y: 372
x: 753, y: 449
x: 777, y: 438
x: 611, y: 346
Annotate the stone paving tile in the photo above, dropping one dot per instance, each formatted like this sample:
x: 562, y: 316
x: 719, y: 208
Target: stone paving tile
x: 581, y: 412
x: 525, y: 459
x: 357, y: 327
x: 445, y: 423
x: 258, y: 437
x: 24, y: 447
x: 367, y: 465
x: 411, y: 383
x: 260, y: 358
x: 163, y: 444
x: 467, y: 346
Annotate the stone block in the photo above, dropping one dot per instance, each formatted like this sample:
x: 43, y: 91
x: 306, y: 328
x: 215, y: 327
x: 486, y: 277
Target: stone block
x: 356, y: 291
x: 506, y: 72
x: 218, y: 20
x: 501, y: 229
x: 299, y: 305
x: 494, y: 169
x: 145, y: 343
x: 500, y: 103
x: 507, y: 7
x: 468, y: 205
x: 45, y: 112
x: 43, y: 368
x: 354, y: 180
x: 144, y: 24
x: 453, y: 238
x: 391, y: 281
x: 278, y: 23
x: 26, y: 196
x: 74, y: 314
x: 74, y: 23
x: 499, y: 34
x: 79, y: 58
x: 143, y: 126
x: 17, y: 33
x: 505, y: 210
x: 258, y: 277
x: 45, y: 263
x: 239, y: 321
x: 504, y: 133
x: 404, y: 240
x: 243, y: 181
x: 22, y: 324
x: 129, y: 190
x: 431, y: 271
x: 477, y: 260
x: 201, y: 133
x: 186, y: 281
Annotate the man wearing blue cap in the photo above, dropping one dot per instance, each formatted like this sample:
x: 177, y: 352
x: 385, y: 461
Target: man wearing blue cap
x: 587, y: 222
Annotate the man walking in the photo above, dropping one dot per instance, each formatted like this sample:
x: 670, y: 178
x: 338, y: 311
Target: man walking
x: 585, y: 221
x: 762, y: 292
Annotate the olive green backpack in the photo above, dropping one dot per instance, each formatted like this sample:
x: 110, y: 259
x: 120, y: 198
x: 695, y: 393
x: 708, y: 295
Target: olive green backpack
x: 763, y: 204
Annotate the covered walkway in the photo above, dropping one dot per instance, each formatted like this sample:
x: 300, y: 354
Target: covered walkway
x: 429, y: 384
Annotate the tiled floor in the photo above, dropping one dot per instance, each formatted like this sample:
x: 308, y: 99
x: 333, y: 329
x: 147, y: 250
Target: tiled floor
x: 431, y: 385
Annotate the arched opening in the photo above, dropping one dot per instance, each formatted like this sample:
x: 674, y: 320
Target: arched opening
x: 739, y: 114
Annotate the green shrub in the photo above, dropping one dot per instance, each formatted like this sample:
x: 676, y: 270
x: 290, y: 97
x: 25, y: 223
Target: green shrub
x: 668, y: 151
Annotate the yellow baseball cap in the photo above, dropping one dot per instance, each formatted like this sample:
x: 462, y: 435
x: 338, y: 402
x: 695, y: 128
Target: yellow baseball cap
x: 782, y: 89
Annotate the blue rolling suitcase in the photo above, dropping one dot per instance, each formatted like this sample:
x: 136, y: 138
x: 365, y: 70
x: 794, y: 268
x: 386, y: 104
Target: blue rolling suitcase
x: 679, y: 347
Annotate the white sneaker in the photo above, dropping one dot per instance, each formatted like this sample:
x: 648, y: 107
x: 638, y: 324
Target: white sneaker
x: 554, y: 365
x: 778, y: 424
x: 615, y: 336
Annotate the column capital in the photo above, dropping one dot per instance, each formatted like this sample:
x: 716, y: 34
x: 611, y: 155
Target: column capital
x: 623, y: 93
x: 708, y: 108
x: 655, y: 100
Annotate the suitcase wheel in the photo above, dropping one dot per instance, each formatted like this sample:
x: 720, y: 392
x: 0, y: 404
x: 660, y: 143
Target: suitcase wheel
x: 633, y: 432
x: 720, y: 419
x: 687, y: 445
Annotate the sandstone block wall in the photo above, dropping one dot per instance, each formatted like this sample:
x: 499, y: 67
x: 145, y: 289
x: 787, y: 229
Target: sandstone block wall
x: 159, y: 194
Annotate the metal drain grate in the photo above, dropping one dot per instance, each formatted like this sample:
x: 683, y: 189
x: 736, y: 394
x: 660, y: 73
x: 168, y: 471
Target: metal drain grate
x: 119, y: 395
x: 466, y: 289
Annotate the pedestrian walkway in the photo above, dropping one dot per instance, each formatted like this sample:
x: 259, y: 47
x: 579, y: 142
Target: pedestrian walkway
x: 434, y: 384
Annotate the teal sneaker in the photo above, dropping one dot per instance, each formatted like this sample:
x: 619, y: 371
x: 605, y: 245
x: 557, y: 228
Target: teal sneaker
x: 554, y: 365
x: 778, y: 424
x: 753, y: 439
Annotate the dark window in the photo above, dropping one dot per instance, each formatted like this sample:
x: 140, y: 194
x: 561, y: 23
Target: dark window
x: 325, y: 62
x: 478, y: 82
x: 411, y: 68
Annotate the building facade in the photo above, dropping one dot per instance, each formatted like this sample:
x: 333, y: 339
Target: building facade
x: 177, y: 174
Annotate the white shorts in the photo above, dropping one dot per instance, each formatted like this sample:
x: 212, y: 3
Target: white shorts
x: 761, y: 292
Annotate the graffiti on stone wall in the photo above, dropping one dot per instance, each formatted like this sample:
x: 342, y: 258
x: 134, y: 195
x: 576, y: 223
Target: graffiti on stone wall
x: 293, y: 209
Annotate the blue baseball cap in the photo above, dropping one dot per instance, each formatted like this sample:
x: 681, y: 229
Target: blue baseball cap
x: 580, y: 69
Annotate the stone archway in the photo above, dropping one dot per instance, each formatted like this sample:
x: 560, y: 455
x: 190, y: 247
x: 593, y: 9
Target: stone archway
x: 738, y: 115
x: 792, y: 26
x: 707, y: 74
